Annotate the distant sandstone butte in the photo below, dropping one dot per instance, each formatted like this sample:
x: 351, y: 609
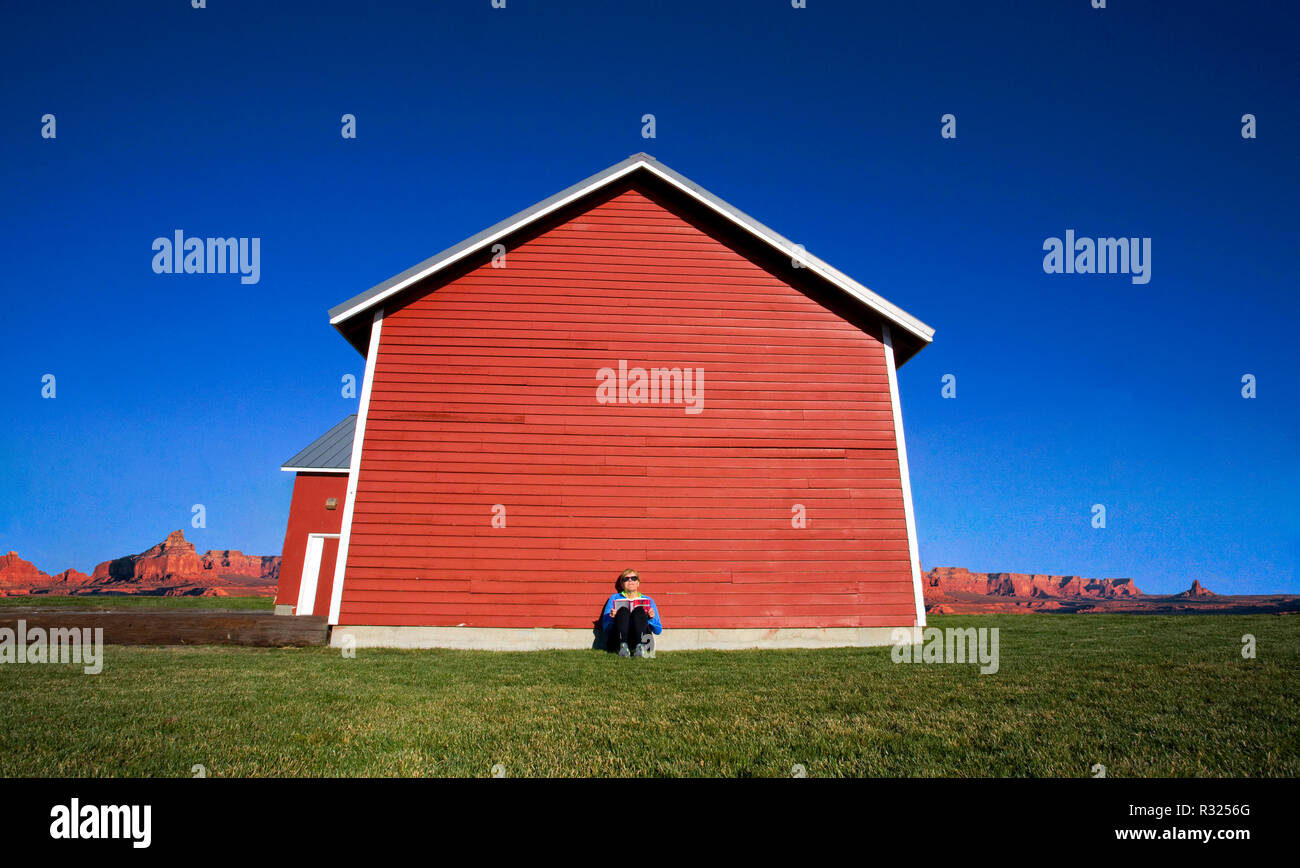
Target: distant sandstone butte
x: 16, y: 571
x: 942, y: 582
x: 1198, y: 590
x: 172, y: 559
x: 69, y: 578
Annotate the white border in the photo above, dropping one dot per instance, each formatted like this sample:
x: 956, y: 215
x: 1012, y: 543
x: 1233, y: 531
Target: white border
x: 316, y: 469
x: 905, y: 476
x: 354, y: 468
x: 858, y: 291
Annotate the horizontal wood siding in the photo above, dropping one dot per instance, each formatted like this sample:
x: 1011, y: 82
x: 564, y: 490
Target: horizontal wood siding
x: 485, y: 393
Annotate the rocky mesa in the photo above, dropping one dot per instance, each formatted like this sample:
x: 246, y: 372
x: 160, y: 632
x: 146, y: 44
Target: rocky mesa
x: 171, y: 568
x: 955, y: 590
x: 950, y: 582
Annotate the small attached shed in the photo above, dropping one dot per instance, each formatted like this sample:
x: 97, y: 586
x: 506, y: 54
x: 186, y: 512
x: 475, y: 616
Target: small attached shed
x: 631, y: 373
x: 311, y: 540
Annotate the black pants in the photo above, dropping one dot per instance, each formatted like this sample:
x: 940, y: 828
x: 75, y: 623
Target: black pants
x: 629, y: 626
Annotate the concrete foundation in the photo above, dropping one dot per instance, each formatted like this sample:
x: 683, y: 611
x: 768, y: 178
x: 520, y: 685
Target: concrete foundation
x: 543, y: 638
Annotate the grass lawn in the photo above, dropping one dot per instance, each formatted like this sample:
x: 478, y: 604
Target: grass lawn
x: 1143, y: 695
x: 107, y: 601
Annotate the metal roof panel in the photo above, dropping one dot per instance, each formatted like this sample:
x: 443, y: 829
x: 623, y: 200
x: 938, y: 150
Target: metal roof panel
x: 330, y: 451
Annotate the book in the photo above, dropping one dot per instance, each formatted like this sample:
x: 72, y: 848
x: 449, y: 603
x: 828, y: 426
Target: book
x: 638, y: 603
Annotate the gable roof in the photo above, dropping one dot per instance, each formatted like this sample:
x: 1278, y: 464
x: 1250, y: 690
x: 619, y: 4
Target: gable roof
x: 330, y: 452
x: 376, y: 295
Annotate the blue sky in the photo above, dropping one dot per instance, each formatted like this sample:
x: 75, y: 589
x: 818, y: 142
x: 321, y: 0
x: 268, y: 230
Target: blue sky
x: 822, y: 122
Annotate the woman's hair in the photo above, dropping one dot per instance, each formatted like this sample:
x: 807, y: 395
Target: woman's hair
x: 618, y: 584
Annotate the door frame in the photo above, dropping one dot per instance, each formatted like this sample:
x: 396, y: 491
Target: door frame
x: 311, y: 578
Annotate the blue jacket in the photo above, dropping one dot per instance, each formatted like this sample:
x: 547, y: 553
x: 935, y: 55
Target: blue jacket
x: 606, y: 621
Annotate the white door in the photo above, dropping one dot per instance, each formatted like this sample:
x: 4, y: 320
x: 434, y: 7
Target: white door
x: 310, y: 574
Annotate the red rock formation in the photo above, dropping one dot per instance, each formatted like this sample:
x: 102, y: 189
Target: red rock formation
x: 172, y: 559
x: 16, y: 571
x: 233, y: 562
x: 943, y: 582
x: 171, y: 568
x: 1198, y: 590
x: 69, y: 578
x: 956, y: 591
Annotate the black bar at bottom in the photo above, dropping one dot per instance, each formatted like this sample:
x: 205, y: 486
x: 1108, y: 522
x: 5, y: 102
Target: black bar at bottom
x: 332, y: 818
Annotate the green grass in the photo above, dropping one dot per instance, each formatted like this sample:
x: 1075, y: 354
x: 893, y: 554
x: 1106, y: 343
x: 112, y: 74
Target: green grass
x: 1143, y: 695
x: 41, y: 601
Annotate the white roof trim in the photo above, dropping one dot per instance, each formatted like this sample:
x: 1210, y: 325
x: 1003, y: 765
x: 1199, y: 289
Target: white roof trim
x: 905, y: 478
x: 314, y: 469
x: 525, y: 218
x: 888, y: 310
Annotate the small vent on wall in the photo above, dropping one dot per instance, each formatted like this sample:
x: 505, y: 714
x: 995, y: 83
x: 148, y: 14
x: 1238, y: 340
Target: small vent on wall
x: 332, y: 503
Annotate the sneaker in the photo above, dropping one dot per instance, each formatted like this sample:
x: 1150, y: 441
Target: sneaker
x: 622, y: 650
x: 639, y: 651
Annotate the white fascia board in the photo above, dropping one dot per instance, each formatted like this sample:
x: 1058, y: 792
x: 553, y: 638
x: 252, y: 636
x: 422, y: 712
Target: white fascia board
x: 905, y: 477
x: 832, y: 275
x: 315, y: 469
x: 354, y: 469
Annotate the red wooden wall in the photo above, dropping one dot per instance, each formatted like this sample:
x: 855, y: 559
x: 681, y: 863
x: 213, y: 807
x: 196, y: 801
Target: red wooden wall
x: 485, y: 393
x: 307, y: 514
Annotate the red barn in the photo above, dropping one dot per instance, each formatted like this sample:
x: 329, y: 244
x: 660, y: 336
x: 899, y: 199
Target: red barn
x: 631, y: 373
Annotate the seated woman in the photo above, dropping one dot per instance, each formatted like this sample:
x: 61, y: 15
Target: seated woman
x: 628, y: 615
